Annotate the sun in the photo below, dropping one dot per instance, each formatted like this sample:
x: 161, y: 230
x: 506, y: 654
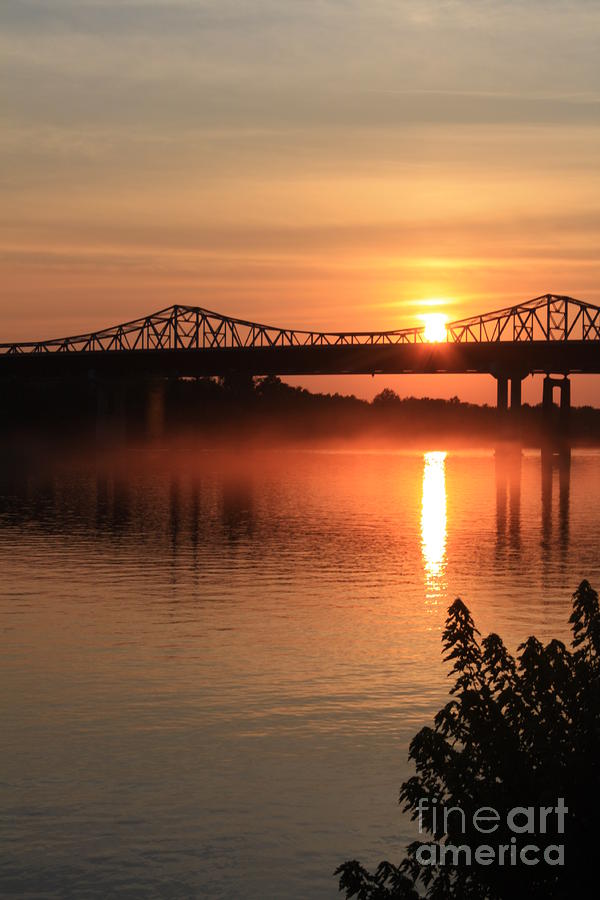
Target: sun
x: 435, y: 327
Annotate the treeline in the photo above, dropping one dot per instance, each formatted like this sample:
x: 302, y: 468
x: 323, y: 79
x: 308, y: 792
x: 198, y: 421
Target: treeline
x: 254, y: 406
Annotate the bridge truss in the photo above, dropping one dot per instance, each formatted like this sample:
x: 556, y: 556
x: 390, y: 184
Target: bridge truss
x: 546, y: 318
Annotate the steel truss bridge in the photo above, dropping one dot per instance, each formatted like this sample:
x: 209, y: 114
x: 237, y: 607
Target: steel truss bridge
x: 549, y: 334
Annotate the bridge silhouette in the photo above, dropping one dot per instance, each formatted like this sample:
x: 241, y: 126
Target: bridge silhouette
x: 552, y: 335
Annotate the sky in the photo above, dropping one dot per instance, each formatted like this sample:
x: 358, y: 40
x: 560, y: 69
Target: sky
x: 327, y: 164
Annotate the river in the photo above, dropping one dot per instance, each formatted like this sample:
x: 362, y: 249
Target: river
x: 213, y: 663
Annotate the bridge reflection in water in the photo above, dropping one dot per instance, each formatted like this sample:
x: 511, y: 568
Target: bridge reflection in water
x: 554, y: 529
x: 105, y: 496
x: 553, y: 521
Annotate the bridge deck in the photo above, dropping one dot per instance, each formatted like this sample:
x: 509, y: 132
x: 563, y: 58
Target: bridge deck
x: 498, y: 358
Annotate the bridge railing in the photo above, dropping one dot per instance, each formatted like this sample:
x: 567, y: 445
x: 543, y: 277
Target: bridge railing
x: 547, y: 318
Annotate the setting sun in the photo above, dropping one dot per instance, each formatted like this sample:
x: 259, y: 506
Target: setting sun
x: 435, y: 327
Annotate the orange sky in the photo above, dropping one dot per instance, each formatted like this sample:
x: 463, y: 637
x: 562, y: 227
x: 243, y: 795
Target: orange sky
x: 320, y: 165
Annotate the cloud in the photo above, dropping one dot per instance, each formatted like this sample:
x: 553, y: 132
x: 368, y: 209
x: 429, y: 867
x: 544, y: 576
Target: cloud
x: 564, y: 236
x: 357, y: 149
x: 381, y: 44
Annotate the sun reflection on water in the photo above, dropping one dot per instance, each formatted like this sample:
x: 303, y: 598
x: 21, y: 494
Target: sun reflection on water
x: 433, y: 522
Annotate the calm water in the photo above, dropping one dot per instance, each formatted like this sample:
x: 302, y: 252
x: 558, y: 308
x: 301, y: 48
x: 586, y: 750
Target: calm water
x: 212, y: 667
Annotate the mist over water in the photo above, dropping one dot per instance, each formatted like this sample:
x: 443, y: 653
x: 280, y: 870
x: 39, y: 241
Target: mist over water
x: 213, y: 662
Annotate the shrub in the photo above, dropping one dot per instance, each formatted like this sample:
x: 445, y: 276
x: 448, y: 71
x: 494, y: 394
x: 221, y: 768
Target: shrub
x: 521, y: 732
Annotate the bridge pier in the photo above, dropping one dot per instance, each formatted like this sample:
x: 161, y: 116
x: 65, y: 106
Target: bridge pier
x: 102, y: 409
x: 110, y: 408
x: 155, y: 410
x: 556, y: 423
x: 515, y: 392
x: 501, y: 394
x: 565, y: 402
x: 508, y: 424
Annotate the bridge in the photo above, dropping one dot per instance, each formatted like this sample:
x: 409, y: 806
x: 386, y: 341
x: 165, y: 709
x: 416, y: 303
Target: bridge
x: 553, y: 335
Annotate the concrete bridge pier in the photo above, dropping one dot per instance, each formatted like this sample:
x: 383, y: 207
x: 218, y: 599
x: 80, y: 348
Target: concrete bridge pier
x: 155, y: 409
x: 110, y: 408
x: 502, y: 382
x: 102, y: 404
x: 501, y: 394
x: 555, y: 422
x: 508, y: 417
x: 515, y: 392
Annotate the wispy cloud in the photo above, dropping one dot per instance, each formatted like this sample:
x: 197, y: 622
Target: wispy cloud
x: 311, y: 154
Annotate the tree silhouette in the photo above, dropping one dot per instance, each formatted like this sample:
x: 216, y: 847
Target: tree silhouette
x: 521, y: 732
